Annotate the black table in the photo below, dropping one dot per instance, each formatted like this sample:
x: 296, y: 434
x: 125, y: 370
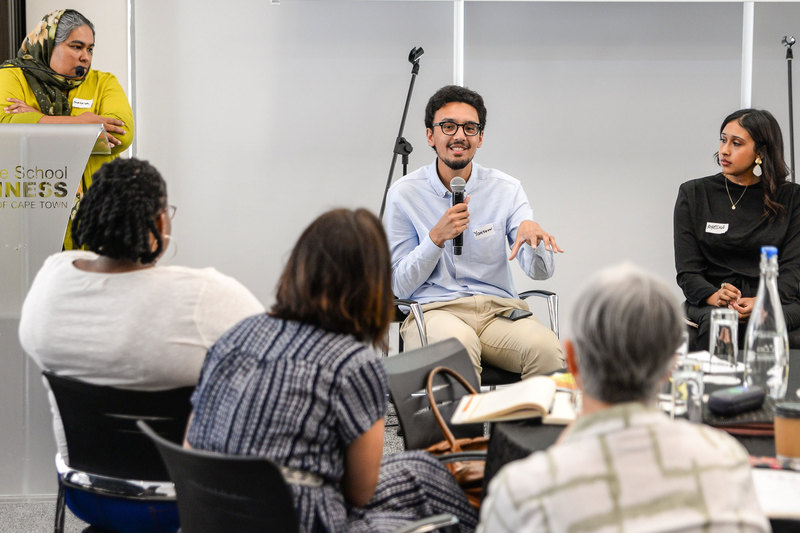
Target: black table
x: 516, y: 440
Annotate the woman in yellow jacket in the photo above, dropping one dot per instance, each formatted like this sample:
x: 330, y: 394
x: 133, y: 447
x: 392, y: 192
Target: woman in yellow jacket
x: 51, y: 82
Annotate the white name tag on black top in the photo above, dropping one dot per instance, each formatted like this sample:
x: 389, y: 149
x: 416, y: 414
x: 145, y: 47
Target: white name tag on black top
x: 81, y: 103
x: 716, y: 227
x: 487, y: 230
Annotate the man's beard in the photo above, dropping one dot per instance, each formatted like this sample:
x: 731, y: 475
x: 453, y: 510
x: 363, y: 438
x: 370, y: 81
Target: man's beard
x: 456, y: 164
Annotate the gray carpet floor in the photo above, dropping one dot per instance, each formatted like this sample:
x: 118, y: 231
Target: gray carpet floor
x: 18, y: 516
x: 34, y: 517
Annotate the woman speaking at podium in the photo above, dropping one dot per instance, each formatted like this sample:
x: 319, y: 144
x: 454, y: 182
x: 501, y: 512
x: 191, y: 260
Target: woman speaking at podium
x: 51, y: 82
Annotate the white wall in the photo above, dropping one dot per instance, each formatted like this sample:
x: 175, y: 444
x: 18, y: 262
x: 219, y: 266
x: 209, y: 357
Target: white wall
x: 772, y: 22
x: 264, y: 122
x: 601, y: 109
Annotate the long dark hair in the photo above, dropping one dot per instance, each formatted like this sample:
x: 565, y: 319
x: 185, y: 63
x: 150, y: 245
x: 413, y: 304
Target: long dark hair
x: 766, y: 134
x: 339, y: 277
x: 117, y: 215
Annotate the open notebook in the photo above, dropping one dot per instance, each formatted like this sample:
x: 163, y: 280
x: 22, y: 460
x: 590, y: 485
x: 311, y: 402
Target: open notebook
x: 538, y: 396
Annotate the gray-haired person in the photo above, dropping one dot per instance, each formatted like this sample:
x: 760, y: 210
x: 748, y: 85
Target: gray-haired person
x: 623, y: 465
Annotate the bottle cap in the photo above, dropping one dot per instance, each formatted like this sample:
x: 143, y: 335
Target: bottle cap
x: 769, y: 251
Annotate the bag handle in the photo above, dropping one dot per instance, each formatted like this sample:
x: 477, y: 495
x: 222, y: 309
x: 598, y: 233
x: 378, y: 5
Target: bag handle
x: 448, y: 435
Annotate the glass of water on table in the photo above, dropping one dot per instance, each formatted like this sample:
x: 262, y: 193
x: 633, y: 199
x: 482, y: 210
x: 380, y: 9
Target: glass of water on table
x: 686, y: 390
x: 724, y: 367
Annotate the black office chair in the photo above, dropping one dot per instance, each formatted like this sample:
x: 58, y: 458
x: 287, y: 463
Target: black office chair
x: 491, y: 376
x: 408, y: 375
x: 108, y: 455
x: 220, y: 493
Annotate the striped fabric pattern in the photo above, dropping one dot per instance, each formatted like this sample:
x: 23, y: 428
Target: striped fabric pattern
x: 300, y: 395
x: 632, y: 469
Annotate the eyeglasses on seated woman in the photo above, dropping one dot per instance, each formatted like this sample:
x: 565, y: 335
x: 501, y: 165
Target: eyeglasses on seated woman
x: 110, y: 315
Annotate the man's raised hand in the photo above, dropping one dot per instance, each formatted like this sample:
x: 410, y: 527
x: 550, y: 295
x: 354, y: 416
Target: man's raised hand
x: 532, y: 233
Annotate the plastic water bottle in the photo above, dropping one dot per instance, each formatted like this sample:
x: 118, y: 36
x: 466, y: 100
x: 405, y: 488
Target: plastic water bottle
x: 766, y: 342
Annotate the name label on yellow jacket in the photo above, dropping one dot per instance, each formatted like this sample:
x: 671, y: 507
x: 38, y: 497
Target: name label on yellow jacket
x: 81, y: 103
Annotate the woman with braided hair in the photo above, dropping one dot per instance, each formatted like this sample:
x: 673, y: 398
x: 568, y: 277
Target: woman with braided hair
x: 109, y: 315
x: 51, y: 81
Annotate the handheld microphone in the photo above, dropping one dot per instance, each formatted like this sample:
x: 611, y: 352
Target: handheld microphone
x: 457, y: 185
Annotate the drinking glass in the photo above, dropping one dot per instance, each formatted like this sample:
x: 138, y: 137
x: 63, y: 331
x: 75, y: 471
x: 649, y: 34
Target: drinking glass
x: 683, y: 348
x: 723, y: 345
x: 686, y: 390
x: 665, y: 396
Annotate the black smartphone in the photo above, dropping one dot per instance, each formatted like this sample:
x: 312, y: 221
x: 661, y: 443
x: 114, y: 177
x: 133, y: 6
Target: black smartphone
x: 735, y: 400
x: 513, y: 314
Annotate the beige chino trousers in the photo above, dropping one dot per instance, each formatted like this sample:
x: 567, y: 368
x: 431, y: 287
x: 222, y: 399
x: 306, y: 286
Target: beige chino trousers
x: 525, y: 345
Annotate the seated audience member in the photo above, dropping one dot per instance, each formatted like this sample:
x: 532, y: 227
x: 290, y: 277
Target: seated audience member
x: 305, y: 387
x: 623, y: 465
x: 110, y: 315
x: 461, y: 294
x: 722, y: 221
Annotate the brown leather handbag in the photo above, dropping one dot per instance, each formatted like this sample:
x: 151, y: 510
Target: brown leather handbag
x: 468, y: 474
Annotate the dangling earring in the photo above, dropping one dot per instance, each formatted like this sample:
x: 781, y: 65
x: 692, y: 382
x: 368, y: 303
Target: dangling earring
x: 757, y: 169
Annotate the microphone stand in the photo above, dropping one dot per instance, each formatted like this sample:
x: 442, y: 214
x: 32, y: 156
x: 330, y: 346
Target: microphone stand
x: 401, y: 146
x: 788, y: 41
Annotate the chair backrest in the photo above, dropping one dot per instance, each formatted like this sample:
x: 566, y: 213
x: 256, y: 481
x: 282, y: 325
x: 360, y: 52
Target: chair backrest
x: 100, y: 426
x: 408, y: 374
x: 220, y: 493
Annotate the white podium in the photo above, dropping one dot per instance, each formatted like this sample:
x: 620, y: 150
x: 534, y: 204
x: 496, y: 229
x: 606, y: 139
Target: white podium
x: 41, y: 166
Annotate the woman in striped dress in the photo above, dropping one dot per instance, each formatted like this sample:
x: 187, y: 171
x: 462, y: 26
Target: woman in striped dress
x: 304, y: 386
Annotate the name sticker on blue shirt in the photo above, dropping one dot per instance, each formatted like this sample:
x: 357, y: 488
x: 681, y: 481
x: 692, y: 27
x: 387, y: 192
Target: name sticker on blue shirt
x: 716, y: 227
x: 481, y: 232
x: 81, y: 103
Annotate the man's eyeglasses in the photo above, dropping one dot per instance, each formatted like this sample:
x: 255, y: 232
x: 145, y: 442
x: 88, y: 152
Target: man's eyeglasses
x: 450, y: 128
x: 171, y: 211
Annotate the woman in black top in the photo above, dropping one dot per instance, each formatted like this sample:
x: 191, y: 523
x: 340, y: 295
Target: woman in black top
x: 721, y: 222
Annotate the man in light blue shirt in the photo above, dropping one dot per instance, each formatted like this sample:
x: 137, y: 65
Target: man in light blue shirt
x: 461, y: 294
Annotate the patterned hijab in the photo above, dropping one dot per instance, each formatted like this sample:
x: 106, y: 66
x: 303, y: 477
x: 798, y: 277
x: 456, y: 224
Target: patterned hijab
x: 49, y: 87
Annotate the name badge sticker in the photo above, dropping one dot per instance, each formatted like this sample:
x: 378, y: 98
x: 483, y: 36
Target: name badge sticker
x: 716, y: 227
x: 80, y: 103
x: 481, y: 232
